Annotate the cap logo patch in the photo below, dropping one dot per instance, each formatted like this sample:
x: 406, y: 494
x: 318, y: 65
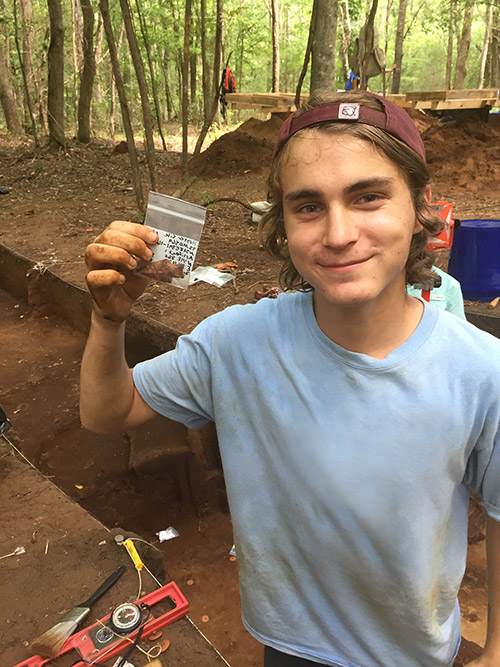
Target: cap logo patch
x: 348, y: 111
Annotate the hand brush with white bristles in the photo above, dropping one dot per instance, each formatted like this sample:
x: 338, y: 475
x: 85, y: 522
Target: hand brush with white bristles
x: 51, y: 642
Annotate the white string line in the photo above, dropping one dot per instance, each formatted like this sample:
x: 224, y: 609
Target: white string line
x: 191, y: 621
x: 208, y: 640
x: 160, y: 585
x: 19, y: 452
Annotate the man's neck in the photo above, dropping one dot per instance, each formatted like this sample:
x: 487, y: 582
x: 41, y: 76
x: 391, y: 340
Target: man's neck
x: 372, y: 329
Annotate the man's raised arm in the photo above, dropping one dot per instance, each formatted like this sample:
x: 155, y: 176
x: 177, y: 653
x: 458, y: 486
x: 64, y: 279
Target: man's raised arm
x: 109, y: 401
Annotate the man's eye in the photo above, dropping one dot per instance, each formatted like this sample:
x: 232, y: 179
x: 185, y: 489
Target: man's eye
x: 308, y: 208
x: 369, y: 199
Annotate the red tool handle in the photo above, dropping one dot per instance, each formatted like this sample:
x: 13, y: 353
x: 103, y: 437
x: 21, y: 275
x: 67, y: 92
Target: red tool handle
x: 82, y: 642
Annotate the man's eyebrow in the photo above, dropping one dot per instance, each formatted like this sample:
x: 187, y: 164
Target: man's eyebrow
x: 305, y: 193
x: 368, y: 183
x: 365, y: 184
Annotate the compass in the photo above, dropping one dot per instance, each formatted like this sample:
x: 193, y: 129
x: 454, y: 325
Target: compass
x: 126, y: 618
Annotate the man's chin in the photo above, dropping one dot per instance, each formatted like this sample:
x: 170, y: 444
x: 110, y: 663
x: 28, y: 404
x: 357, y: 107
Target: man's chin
x: 343, y: 298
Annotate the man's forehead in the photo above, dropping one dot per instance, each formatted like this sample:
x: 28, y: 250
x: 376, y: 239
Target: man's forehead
x: 317, y: 150
x: 316, y: 142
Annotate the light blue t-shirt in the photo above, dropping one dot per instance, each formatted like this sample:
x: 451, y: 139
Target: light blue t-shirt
x: 448, y: 296
x: 347, y: 476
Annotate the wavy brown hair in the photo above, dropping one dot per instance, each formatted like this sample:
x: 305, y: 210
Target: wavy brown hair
x: 272, y: 227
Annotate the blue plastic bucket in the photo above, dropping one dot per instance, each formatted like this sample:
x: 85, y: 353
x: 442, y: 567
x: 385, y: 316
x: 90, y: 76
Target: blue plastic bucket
x: 475, y: 259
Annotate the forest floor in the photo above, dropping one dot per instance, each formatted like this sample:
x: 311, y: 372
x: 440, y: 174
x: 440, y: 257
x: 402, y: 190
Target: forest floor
x: 57, y: 203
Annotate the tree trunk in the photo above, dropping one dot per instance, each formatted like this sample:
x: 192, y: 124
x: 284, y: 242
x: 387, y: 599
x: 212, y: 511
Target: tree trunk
x: 143, y: 90
x: 154, y: 88
x: 40, y: 66
x: 205, y: 74
x: 166, y: 79
x: 464, y: 46
x: 275, y: 31
x: 127, y: 125
x: 486, y: 43
x: 494, y: 81
x: 219, y: 39
x: 219, y: 29
x: 112, y: 84
x: 193, y: 59
x: 97, y: 92
x: 346, y: 36
x: 307, y: 55
x: 112, y: 105
x: 323, y: 47
x: 27, y: 60
x: 386, y: 43
x: 77, y: 42
x: 88, y: 73
x: 370, y: 31
x: 398, y: 47
x: 449, y: 51
x: 185, y: 87
x: 22, y: 62
x: 243, y: 4
x: 55, y: 83
x: 7, y: 99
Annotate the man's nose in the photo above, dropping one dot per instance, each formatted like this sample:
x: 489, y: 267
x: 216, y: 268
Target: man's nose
x: 340, y: 228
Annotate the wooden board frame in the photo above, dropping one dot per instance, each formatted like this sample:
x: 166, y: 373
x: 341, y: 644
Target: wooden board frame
x: 439, y: 100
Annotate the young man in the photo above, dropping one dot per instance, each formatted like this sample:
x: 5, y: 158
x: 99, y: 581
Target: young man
x: 352, y: 418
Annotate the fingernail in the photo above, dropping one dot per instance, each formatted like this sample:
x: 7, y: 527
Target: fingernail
x: 149, y: 253
x: 153, y: 237
x: 121, y: 280
x: 132, y: 263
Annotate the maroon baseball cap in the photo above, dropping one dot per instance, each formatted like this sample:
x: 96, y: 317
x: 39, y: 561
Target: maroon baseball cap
x: 392, y: 119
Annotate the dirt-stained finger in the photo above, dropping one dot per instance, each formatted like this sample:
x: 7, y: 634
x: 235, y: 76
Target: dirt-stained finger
x: 129, y: 236
x: 99, y: 255
x: 104, y: 278
x: 132, y: 244
x: 135, y: 229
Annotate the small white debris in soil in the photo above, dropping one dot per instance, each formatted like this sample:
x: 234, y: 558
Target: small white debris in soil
x: 17, y: 552
x: 125, y: 664
x: 167, y: 534
x: 102, y: 543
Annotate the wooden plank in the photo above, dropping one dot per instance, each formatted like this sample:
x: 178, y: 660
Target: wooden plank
x: 423, y: 96
x: 482, y: 93
x: 400, y: 100
x: 396, y: 97
x: 263, y: 99
x: 471, y: 93
x: 441, y: 105
x: 234, y: 106
x: 264, y: 102
x: 437, y: 99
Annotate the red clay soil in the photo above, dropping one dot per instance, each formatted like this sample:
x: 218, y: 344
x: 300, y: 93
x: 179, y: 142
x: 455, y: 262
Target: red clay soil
x: 58, y: 202
x: 249, y: 148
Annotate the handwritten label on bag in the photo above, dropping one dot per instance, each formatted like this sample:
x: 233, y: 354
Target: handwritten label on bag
x: 179, y: 225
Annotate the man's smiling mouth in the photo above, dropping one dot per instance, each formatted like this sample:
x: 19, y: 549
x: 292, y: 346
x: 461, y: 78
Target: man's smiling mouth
x: 352, y: 264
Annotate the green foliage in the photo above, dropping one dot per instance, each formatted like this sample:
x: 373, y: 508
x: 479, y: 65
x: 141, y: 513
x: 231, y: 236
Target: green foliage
x: 247, y: 40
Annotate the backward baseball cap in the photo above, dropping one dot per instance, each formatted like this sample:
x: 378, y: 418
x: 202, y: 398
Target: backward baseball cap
x: 393, y: 119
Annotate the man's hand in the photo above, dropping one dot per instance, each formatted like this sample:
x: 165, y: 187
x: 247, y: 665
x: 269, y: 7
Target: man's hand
x: 111, y: 260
